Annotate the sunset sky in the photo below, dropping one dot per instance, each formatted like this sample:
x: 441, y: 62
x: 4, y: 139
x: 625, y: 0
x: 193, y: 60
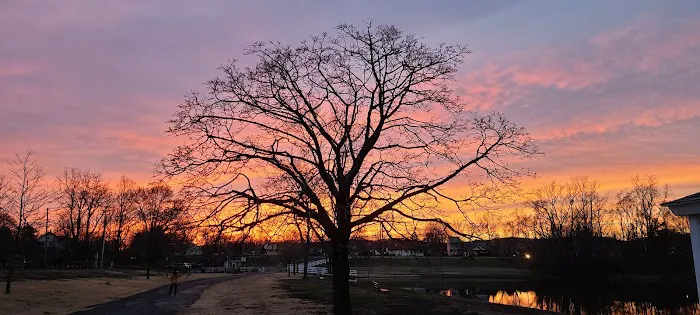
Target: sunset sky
x: 609, y: 89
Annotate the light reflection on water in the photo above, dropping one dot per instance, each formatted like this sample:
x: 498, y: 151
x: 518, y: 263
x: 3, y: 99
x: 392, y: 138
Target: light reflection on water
x: 531, y: 300
x: 655, y: 300
x: 518, y: 298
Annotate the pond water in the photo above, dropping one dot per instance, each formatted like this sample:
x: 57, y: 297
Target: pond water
x: 620, y: 299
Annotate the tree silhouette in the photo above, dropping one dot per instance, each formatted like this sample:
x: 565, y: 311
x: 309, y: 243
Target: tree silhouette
x: 26, y: 194
x: 158, y: 210
x: 347, y: 130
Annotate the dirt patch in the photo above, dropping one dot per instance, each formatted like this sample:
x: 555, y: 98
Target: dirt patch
x: 70, y: 295
x: 257, y: 294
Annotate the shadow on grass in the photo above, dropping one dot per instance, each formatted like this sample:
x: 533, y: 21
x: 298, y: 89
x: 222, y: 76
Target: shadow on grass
x: 53, y: 274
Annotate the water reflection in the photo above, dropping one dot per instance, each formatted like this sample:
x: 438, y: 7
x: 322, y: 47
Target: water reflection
x: 585, y: 305
x: 524, y: 299
x: 625, y: 299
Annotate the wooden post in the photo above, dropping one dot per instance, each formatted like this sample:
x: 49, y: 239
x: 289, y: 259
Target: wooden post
x: 46, y: 239
x: 694, y: 221
x: 104, y: 234
x: 689, y: 206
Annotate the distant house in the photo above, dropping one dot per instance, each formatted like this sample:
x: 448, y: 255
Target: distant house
x: 509, y: 246
x: 193, y: 250
x: 232, y: 264
x: 403, y: 248
x: 271, y: 249
x: 190, y: 252
x: 455, y: 246
x: 478, y: 251
x: 361, y: 247
x: 51, y: 240
x: 318, y: 248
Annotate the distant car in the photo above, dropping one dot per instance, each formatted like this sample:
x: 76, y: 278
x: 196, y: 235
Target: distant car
x: 179, y: 266
x: 198, y: 268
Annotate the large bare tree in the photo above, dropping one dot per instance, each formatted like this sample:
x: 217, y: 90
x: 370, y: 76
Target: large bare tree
x: 346, y: 129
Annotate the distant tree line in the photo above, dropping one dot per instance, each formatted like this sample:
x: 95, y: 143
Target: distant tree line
x: 580, y: 228
x: 88, y: 220
x: 576, y: 224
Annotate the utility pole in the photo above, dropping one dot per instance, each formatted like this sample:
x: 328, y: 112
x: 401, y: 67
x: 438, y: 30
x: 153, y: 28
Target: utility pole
x: 46, y: 239
x: 104, y: 232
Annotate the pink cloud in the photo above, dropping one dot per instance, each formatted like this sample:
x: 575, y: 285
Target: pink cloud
x: 10, y: 69
x: 592, y: 124
x: 594, y: 68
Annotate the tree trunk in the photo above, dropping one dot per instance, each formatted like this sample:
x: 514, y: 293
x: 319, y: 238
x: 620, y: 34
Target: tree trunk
x: 8, y: 282
x: 307, y: 246
x: 148, y: 256
x: 104, y: 234
x: 148, y: 266
x: 306, y: 262
x: 341, y: 275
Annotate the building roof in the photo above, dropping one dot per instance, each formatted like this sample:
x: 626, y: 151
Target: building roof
x: 47, y: 235
x: 685, y: 200
x: 401, y: 244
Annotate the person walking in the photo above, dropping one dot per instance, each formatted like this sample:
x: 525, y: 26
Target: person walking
x: 174, y: 279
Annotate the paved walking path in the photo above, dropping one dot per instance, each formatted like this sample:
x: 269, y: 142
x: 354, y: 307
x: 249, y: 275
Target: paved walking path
x: 156, y: 301
x: 257, y: 294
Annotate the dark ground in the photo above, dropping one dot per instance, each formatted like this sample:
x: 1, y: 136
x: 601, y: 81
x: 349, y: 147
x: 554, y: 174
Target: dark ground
x: 156, y: 301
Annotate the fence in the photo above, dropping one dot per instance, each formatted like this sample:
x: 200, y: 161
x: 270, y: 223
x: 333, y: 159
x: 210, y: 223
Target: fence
x: 312, y: 270
x: 52, y: 266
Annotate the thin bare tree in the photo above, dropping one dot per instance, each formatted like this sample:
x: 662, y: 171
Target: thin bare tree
x: 363, y: 123
x: 124, y: 210
x: 304, y: 228
x: 639, y: 210
x: 519, y: 225
x: 84, y: 198
x: 107, y: 217
x: 27, y: 193
x: 564, y: 209
x: 488, y: 225
x: 4, y: 196
x: 435, y: 238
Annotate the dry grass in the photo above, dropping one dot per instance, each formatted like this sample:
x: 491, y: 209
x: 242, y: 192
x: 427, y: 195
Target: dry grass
x: 257, y: 294
x: 70, y: 295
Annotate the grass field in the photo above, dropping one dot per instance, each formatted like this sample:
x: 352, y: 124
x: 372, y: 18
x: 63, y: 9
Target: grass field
x: 438, y: 268
x: 77, y: 290
x: 430, y: 262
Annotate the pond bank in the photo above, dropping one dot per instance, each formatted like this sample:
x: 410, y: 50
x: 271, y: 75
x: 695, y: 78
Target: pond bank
x: 365, y: 300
